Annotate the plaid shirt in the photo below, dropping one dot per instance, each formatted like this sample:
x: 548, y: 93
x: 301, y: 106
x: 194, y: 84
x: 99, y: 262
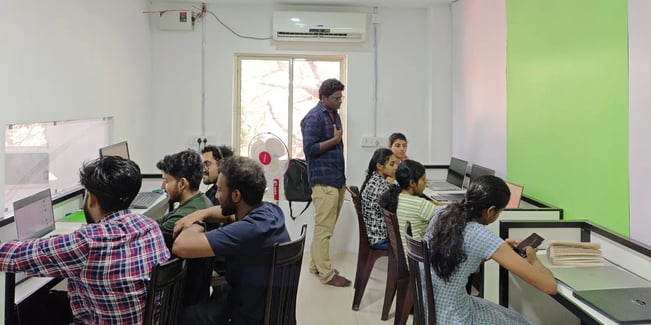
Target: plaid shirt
x: 107, y: 264
x: 326, y: 168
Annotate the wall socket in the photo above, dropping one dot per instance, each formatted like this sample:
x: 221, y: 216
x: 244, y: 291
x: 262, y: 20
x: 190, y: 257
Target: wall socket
x: 193, y: 142
x: 372, y: 142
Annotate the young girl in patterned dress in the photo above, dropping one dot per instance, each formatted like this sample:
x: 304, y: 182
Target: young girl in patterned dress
x: 459, y: 243
x: 381, y: 167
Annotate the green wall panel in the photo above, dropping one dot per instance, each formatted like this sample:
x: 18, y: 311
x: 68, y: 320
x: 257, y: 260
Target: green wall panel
x: 567, y: 106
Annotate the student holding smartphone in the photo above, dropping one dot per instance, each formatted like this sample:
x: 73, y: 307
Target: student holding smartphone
x: 459, y: 243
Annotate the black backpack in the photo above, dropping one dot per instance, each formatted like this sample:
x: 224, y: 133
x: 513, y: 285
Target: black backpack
x: 296, y: 185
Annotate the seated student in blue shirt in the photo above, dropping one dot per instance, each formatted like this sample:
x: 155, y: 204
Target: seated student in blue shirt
x: 247, y: 244
x: 381, y: 167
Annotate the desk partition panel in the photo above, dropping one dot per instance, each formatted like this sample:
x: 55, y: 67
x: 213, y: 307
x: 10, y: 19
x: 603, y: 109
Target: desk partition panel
x: 626, y: 256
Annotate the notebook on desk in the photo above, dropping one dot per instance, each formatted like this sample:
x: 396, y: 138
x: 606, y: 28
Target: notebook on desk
x: 34, y: 218
x: 623, y: 305
x: 454, y: 179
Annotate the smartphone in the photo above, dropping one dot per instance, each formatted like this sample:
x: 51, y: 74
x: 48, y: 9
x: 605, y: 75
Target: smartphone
x: 533, y: 240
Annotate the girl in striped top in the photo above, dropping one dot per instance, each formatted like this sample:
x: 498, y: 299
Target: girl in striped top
x: 407, y: 200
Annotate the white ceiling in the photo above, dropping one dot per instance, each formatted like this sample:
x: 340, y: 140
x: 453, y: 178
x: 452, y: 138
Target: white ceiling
x: 364, y: 3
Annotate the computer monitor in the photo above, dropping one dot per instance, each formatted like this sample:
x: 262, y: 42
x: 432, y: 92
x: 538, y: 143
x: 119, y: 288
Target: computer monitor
x: 120, y: 149
x: 34, y: 215
x: 456, y: 171
x: 476, y: 171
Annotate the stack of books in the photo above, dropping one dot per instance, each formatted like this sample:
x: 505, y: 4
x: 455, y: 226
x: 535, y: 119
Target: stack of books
x: 574, y: 253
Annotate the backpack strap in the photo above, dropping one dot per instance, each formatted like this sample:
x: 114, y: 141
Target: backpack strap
x: 291, y: 213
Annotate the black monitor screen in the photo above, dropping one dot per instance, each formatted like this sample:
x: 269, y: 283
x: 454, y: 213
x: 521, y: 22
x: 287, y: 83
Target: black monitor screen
x: 119, y: 149
x: 456, y: 171
x: 476, y: 171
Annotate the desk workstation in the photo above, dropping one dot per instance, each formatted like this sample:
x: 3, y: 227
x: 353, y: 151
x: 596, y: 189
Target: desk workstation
x: 527, y: 209
x: 623, y: 281
x: 68, y: 217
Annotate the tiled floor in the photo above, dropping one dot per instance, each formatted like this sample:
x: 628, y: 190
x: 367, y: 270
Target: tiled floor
x: 319, y: 304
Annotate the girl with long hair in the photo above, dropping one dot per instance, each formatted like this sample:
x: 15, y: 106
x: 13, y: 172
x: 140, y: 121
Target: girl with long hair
x: 407, y: 200
x: 381, y: 167
x: 459, y: 243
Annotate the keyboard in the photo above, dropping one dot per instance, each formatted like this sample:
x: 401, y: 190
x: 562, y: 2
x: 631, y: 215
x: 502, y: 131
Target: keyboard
x: 144, y: 200
x: 441, y: 186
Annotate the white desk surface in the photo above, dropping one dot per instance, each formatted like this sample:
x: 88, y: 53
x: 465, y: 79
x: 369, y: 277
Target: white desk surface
x: 32, y: 284
x: 618, y: 278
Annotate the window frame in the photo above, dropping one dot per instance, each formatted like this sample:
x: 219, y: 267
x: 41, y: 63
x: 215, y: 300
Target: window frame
x: 291, y: 58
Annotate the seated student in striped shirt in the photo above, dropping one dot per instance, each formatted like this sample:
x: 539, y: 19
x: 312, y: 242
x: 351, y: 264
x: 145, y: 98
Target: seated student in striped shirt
x: 108, y: 261
x: 406, y: 199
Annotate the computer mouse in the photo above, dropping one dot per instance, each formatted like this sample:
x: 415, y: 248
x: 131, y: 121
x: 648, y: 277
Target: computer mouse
x: 159, y: 191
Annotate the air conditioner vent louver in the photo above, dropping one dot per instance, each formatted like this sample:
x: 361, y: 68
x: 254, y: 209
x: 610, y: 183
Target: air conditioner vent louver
x: 294, y: 26
x: 320, y: 35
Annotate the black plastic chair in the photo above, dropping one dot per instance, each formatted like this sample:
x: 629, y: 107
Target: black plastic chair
x: 285, y: 272
x: 419, y: 259
x: 165, y: 293
x: 398, y: 282
x: 366, y: 257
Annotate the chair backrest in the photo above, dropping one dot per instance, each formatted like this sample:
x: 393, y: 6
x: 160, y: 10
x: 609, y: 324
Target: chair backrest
x: 408, y: 229
x: 280, y: 308
x: 395, y: 243
x: 419, y: 264
x: 357, y: 202
x: 165, y: 292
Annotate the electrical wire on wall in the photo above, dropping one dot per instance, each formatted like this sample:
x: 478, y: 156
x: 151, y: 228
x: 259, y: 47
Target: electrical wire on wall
x: 232, y: 30
x: 203, y: 72
x: 375, y: 72
x: 199, y: 17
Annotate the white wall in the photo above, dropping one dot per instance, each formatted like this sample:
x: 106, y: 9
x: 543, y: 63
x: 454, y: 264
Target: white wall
x: 639, y: 49
x: 75, y: 59
x: 410, y: 70
x: 479, y: 83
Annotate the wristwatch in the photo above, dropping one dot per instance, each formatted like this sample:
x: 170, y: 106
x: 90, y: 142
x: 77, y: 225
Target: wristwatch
x: 202, y: 224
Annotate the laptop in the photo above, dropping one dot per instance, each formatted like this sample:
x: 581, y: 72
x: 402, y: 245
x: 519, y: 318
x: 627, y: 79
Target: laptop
x: 143, y: 200
x: 516, y: 195
x: 454, y: 179
x: 623, y: 305
x: 34, y: 218
x: 475, y: 172
x: 603, y: 277
x: 120, y: 149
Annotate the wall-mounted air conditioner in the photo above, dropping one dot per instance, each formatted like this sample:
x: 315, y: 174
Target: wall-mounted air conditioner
x: 308, y: 26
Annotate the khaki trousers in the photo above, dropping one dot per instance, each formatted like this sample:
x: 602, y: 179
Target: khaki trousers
x: 327, y: 202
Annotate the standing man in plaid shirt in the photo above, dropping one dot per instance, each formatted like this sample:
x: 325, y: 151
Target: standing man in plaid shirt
x: 324, y: 152
x: 108, y: 261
